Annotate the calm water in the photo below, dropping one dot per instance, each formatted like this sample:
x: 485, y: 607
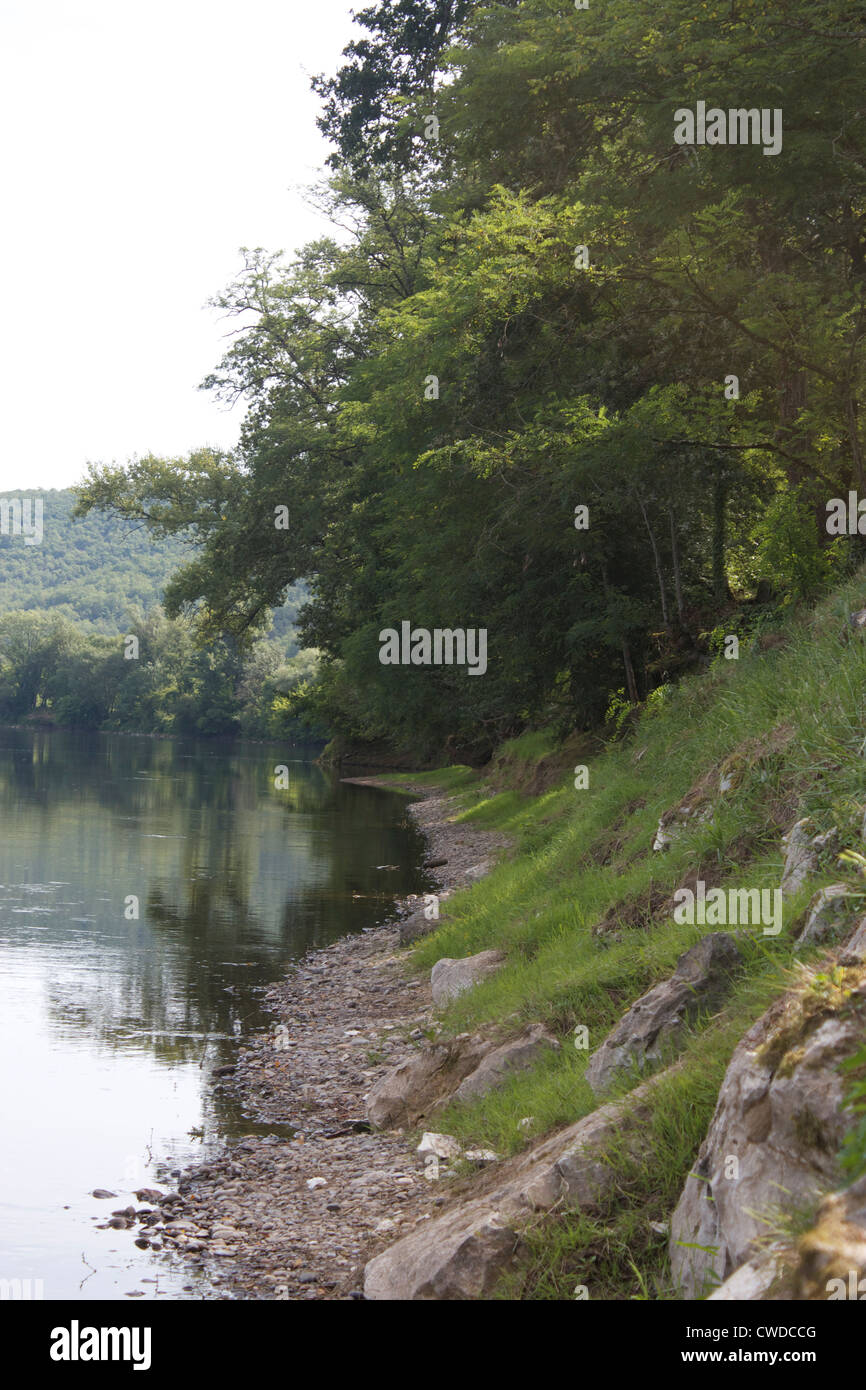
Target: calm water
x: 111, y: 1025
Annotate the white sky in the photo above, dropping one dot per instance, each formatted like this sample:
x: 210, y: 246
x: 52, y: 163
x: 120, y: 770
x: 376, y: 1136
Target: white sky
x: 142, y: 145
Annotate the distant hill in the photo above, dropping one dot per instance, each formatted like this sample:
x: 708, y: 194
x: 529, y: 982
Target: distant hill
x: 95, y: 569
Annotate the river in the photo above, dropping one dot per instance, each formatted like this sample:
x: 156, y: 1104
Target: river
x: 149, y: 891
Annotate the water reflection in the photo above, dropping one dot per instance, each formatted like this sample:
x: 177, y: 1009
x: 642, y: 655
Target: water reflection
x: 149, y: 890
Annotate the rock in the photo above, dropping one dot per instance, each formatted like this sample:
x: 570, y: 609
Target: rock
x: 828, y: 913
x: 803, y: 851
x: 656, y: 1023
x: 225, y: 1071
x: 450, y: 978
x: 433, y: 863
x: 776, y: 1130
x: 478, y: 870
x: 854, y: 951
x: 129, y: 1212
x: 462, y: 1253
x: 313, y: 1184
x: 455, y: 1261
x: 756, y: 1279
x: 414, y: 927
x: 148, y: 1194
x: 692, y: 812
x: 857, y: 621
x: 439, y: 1145
x: 519, y: 1054
x: 481, y: 1157
x: 801, y: 860
x: 424, y: 1081
x: 526, y: 1124
x: 662, y: 840
x: 102, y: 1193
x: 829, y: 840
x: 832, y: 1256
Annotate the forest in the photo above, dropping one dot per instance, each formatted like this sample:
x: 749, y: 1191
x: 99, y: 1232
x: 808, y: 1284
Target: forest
x: 84, y: 641
x: 559, y: 374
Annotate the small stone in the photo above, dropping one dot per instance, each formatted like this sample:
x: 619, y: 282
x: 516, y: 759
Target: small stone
x: 314, y: 1183
x: 442, y: 1146
x: 102, y: 1193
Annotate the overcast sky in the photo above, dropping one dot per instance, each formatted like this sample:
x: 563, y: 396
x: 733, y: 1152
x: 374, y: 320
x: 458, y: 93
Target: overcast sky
x: 142, y: 145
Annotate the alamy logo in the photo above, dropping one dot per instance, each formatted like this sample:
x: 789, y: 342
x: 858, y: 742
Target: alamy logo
x: 76, y: 1343
x: 449, y: 646
x: 737, y: 906
x: 21, y: 1289
x: 846, y: 518
x: 737, y: 126
x: 22, y: 516
x: 856, y: 1288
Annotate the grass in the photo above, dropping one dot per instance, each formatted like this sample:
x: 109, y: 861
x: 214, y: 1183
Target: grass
x: 582, y: 909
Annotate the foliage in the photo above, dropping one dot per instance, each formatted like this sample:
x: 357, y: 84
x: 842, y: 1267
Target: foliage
x: 563, y: 381
x: 56, y: 672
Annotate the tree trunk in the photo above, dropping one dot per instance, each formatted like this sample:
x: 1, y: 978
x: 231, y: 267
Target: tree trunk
x: 658, y: 564
x: 675, y: 557
x: 720, y: 497
x: 630, y: 682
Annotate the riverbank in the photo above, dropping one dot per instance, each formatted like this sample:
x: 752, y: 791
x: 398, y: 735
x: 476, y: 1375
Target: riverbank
x: 598, y: 1050
x: 298, y: 1218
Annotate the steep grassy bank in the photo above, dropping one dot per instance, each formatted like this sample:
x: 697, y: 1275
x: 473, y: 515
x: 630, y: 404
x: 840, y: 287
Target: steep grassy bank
x: 583, y: 908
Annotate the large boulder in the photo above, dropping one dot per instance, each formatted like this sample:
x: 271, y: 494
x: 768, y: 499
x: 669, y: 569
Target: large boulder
x: 517, y: 1055
x: 777, y: 1128
x: 424, y: 1081
x: 655, y: 1024
x: 462, y: 1254
x: 450, y: 978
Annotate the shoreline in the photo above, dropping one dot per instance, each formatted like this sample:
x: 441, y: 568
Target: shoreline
x: 298, y: 1217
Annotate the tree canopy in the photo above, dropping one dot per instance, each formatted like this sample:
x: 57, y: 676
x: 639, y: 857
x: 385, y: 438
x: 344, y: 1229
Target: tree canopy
x: 542, y: 301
